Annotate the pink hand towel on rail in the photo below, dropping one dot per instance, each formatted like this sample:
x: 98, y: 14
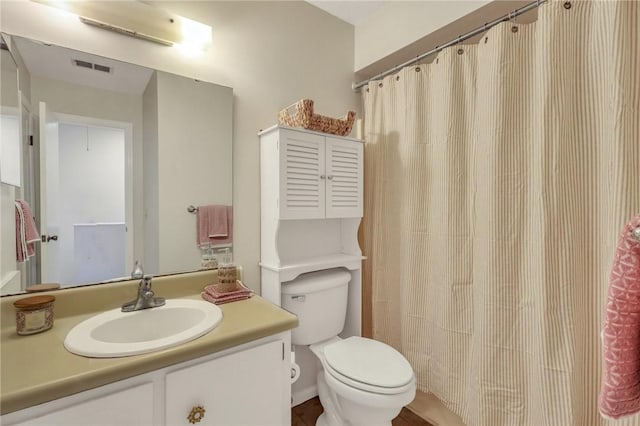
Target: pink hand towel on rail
x: 26, y: 231
x: 214, y: 225
x: 620, y: 390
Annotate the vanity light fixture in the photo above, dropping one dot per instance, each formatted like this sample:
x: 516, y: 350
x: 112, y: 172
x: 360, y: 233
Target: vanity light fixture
x: 139, y: 19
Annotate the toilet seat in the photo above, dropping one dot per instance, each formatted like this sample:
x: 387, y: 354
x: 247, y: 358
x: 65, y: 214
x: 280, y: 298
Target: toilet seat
x: 367, y: 365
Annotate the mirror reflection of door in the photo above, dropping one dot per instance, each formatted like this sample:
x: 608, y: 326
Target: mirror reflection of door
x: 83, y: 192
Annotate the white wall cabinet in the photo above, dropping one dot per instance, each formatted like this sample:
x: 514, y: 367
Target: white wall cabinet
x: 318, y: 176
x: 246, y: 385
x: 311, y: 205
x: 310, y: 211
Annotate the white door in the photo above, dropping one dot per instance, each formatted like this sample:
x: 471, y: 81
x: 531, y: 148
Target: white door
x: 344, y: 178
x: 302, y: 175
x: 49, y: 188
x: 241, y: 389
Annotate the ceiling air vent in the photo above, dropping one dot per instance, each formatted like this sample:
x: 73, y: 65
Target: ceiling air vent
x: 82, y: 64
x: 102, y: 68
x: 91, y: 66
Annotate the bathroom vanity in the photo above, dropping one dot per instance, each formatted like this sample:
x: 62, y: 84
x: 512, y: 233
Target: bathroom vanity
x: 237, y: 374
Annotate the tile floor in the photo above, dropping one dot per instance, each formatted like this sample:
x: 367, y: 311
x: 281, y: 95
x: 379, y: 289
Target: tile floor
x: 306, y: 414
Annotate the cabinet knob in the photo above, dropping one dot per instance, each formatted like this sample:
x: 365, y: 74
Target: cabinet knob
x: 330, y: 177
x: 322, y: 176
x: 196, y: 414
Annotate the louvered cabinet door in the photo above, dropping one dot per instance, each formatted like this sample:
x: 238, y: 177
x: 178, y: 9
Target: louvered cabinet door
x: 344, y: 178
x: 302, y: 175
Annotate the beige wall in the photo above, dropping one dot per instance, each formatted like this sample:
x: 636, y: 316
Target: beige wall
x: 270, y: 53
x: 204, y: 176
x: 402, y: 23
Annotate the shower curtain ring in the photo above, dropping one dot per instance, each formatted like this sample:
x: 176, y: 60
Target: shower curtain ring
x: 514, y: 26
x: 459, y: 50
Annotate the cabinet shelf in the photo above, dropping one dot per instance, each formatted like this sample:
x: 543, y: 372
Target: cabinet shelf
x: 289, y: 270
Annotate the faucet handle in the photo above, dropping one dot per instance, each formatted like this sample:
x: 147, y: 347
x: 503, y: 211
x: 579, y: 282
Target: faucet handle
x: 145, y: 283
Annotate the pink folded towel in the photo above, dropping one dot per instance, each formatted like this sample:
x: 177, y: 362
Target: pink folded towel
x: 214, y: 225
x: 212, y: 294
x: 620, y: 390
x: 26, y: 232
x: 222, y: 300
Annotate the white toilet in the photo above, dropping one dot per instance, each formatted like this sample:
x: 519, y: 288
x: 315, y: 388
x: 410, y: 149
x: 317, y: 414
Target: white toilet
x: 362, y: 381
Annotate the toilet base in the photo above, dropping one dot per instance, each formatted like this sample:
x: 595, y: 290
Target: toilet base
x: 337, y: 410
x: 322, y: 420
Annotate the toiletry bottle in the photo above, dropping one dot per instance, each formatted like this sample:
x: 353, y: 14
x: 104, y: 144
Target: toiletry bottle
x: 227, y: 272
x: 137, y: 272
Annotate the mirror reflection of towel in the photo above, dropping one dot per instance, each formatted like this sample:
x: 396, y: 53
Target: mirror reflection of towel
x: 214, y: 225
x: 26, y: 232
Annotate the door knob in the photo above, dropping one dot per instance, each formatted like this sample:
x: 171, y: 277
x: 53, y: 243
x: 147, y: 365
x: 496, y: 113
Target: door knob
x: 47, y: 238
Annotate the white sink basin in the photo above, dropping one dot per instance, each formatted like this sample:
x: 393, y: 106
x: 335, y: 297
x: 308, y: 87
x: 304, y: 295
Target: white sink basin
x: 116, y: 334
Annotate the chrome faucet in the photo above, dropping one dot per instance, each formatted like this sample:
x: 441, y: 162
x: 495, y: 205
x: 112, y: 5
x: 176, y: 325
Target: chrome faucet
x: 146, y: 298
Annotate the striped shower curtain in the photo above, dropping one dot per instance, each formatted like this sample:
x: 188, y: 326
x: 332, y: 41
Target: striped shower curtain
x: 497, y: 181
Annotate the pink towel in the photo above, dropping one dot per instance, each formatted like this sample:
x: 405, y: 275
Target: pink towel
x: 212, y: 294
x: 620, y: 390
x: 26, y: 232
x: 214, y: 225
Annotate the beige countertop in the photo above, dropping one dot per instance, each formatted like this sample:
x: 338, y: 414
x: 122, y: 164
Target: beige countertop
x: 37, y: 368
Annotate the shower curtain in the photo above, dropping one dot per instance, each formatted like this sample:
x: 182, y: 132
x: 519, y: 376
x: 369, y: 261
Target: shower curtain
x: 497, y: 180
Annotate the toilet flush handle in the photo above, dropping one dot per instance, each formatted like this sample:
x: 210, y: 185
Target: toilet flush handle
x: 298, y: 297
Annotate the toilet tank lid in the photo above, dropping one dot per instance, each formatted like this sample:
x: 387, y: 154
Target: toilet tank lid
x: 317, y: 281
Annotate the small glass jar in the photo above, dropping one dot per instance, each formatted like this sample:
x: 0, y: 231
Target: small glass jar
x: 34, y: 314
x: 208, y: 258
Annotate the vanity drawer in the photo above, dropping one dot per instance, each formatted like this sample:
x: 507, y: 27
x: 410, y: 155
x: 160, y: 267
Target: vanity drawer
x: 244, y: 388
x: 132, y: 407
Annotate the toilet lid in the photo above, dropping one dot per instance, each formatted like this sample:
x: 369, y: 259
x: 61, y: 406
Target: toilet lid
x: 369, y: 361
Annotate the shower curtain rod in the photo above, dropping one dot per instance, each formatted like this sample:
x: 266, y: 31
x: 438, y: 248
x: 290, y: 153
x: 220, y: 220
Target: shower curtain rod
x: 509, y: 16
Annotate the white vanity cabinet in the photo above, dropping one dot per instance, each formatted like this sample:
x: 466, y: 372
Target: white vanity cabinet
x: 246, y: 385
x: 311, y: 175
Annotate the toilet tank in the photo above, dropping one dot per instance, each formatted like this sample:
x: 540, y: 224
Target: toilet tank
x: 319, y: 299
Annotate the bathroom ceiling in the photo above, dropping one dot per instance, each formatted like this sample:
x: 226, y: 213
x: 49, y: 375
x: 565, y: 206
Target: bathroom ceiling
x: 349, y: 11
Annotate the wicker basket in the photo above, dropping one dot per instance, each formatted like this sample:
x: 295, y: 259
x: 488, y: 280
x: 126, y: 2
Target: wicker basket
x: 301, y: 114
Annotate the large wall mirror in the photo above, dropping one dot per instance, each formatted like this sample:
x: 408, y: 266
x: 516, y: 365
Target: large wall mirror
x: 119, y: 155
